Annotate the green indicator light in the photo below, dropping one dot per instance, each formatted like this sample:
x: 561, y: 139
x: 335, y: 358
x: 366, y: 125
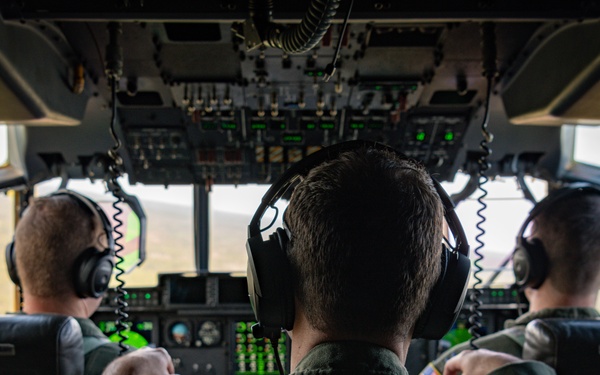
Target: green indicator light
x: 282, y: 126
x: 140, y: 326
x: 310, y: 74
x: 449, y: 136
x: 148, y: 295
x: 378, y: 87
x: 320, y: 74
x: 126, y: 296
x: 420, y: 136
x: 327, y: 125
x: 134, y: 296
x: 311, y: 126
x: 501, y: 293
x: 514, y: 293
x: 102, y: 326
x: 357, y: 125
x: 494, y: 293
x: 258, y: 126
x: 229, y: 126
x: 241, y: 327
x: 413, y: 87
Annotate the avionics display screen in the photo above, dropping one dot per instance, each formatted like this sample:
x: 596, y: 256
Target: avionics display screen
x: 187, y: 290
x: 139, y: 332
x: 256, y: 356
x: 233, y: 290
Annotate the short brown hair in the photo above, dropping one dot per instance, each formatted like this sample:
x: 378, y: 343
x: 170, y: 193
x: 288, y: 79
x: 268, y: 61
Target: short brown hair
x: 366, y: 241
x: 570, y: 232
x: 49, y: 237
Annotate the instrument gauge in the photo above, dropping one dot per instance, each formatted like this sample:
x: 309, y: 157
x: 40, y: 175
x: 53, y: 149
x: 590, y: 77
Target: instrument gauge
x: 209, y: 333
x: 180, y: 334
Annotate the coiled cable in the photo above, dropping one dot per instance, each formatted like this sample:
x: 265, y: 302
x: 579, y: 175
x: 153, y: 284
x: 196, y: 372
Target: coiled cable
x: 489, y: 71
x: 121, y: 310
x: 114, y: 68
x: 299, y: 38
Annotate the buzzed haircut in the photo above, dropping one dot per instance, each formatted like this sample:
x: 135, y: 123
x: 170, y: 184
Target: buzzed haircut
x: 570, y: 232
x: 366, y: 243
x: 52, y: 233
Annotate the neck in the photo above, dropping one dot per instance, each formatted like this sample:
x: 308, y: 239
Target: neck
x: 305, y: 337
x: 65, y: 305
x: 548, y: 297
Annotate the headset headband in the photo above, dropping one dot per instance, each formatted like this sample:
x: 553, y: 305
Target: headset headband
x: 304, y: 166
x: 552, y: 198
x: 92, y: 208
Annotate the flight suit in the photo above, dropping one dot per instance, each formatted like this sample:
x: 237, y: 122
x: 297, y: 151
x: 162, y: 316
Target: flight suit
x: 99, y: 350
x: 361, y: 358
x: 512, y: 338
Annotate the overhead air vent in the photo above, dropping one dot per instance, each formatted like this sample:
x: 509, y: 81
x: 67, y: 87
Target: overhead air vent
x: 36, y: 94
x: 560, y: 82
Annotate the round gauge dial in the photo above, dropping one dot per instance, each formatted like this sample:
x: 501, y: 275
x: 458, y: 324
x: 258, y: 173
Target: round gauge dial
x: 180, y: 334
x: 210, y: 333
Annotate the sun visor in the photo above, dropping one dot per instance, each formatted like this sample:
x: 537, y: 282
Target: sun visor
x: 560, y: 82
x: 36, y: 79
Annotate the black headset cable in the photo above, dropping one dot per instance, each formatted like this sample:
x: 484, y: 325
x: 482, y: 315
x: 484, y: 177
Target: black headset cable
x: 113, y: 71
x: 488, y: 44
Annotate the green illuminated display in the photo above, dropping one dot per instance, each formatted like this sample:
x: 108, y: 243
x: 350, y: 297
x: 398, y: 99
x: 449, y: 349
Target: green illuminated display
x: 229, y: 126
x: 292, y: 138
x: 258, y: 126
x: 310, y: 126
x: 327, y: 125
x: 133, y: 339
x: 209, y: 125
x: 449, y: 136
x: 137, y: 338
x: 357, y: 125
x: 420, y: 136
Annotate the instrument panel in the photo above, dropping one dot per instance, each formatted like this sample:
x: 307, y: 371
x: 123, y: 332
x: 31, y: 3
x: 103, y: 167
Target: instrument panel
x: 205, y: 323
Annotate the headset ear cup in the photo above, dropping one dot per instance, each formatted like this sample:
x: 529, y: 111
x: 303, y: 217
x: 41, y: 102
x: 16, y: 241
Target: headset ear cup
x: 530, y: 263
x: 92, y: 272
x: 11, y: 263
x: 269, y: 282
x: 446, y: 297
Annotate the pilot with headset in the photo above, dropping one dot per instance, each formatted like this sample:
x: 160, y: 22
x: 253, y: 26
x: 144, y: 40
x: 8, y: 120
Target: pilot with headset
x: 359, y: 267
x: 62, y: 258
x: 557, y: 266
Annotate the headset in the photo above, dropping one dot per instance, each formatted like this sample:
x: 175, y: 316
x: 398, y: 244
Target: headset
x: 93, y: 267
x: 530, y: 260
x: 270, y: 286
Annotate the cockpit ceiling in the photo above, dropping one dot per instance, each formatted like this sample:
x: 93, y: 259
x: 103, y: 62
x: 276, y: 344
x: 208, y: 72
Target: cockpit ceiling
x: 194, y: 104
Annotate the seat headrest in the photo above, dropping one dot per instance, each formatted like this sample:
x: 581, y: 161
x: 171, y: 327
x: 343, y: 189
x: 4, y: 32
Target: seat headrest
x: 569, y: 346
x: 41, y: 344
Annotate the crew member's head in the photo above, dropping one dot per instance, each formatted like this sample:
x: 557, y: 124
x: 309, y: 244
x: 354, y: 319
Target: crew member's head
x: 366, y: 238
x: 569, y: 230
x: 50, y: 236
